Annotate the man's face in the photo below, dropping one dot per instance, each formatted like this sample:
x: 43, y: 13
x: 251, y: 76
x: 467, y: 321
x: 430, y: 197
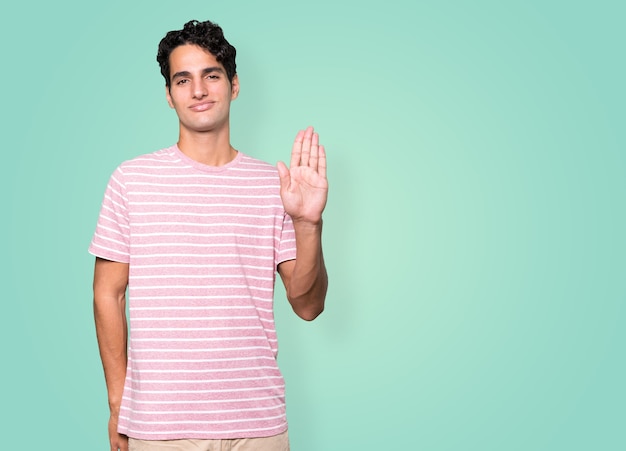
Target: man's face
x: 199, y: 90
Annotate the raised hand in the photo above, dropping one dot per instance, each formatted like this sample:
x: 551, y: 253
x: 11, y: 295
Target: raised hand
x: 304, y: 187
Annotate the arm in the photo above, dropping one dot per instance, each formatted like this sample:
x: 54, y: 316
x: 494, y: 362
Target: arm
x: 109, y: 288
x: 304, y: 190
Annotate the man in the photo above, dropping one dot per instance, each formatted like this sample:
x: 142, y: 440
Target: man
x: 197, y: 232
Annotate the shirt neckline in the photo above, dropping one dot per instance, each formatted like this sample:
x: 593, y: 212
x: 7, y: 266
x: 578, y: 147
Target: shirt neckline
x: 176, y: 152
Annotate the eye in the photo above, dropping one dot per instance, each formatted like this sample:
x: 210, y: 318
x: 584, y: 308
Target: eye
x: 182, y: 81
x: 213, y: 77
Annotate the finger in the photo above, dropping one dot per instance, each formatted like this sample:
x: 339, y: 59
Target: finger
x: 306, y: 146
x: 296, y: 150
x: 284, y: 174
x: 321, y: 165
x: 124, y: 443
x: 314, y: 151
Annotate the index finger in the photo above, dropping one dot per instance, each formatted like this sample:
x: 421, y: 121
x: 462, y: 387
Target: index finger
x: 296, y: 150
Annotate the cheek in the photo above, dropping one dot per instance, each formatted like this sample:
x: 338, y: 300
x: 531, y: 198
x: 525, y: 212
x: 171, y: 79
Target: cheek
x: 174, y: 98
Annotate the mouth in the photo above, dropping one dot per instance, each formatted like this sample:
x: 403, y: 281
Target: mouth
x: 202, y: 106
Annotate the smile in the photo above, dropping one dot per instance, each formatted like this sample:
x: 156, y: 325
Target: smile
x: 202, y: 106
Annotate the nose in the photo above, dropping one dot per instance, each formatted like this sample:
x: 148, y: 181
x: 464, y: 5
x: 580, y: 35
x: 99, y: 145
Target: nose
x: 199, y: 89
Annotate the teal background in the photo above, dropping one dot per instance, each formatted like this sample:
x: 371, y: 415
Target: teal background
x: 474, y: 233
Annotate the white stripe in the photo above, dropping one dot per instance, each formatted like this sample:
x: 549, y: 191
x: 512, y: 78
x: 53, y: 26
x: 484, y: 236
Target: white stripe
x: 204, y: 215
x: 201, y: 245
x: 193, y: 297
x: 195, y: 204
x: 200, y: 340
x: 224, y: 390
x: 205, y: 235
x: 218, y: 224
x: 204, y: 401
x: 108, y: 249
x: 236, y: 420
x: 119, y: 184
x: 117, y: 193
x: 222, y: 307
x: 211, y: 266
x: 213, y: 370
x: 206, y: 381
x: 117, y: 232
x: 200, y: 176
x: 262, y: 257
x: 201, y: 433
x: 204, y: 342
x: 202, y: 185
x: 116, y: 214
x: 195, y: 318
x: 111, y: 240
x: 199, y: 287
x: 191, y: 340
x: 110, y: 199
x: 112, y: 220
x: 208, y: 307
x: 197, y: 329
x: 211, y: 195
x: 202, y: 412
x: 203, y: 276
x: 221, y: 359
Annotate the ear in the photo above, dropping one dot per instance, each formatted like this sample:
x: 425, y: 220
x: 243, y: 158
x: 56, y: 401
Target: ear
x: 234, y: 87
x: 168, y: 97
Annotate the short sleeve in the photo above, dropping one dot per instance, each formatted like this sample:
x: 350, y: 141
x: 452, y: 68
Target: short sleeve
x: 111, y: 239
x: 287, y: 242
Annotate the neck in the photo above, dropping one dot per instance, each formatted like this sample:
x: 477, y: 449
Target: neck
x: 210, y: 148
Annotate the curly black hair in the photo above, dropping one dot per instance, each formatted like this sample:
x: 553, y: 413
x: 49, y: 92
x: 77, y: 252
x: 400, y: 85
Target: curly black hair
x: 207, y: 35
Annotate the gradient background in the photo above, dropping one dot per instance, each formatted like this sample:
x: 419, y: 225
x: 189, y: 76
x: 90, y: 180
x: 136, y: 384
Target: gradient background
x: 474, y: 233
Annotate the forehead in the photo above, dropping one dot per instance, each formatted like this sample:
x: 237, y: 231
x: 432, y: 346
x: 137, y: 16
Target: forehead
x: 191, y: 58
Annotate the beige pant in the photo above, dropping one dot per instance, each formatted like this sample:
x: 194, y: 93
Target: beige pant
x: 278, y: 442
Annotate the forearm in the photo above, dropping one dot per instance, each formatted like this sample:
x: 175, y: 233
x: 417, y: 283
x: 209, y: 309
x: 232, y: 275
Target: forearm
x: 109, y: 303
x: 306, y: 287
x: 111, y: 331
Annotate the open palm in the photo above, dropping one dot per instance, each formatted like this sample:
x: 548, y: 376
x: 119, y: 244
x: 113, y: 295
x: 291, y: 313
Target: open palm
x: 303, y: 186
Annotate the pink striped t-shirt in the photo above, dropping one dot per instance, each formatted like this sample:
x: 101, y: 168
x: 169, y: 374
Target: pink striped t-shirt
x: 202, y: 244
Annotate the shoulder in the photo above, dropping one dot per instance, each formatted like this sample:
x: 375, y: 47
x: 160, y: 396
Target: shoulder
x: 149, y: 164
x: 251, y: 164
x: 256, y: 174
x: 149, y: 160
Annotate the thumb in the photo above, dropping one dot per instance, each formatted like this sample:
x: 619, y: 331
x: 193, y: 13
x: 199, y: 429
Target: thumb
x: 284, y: 175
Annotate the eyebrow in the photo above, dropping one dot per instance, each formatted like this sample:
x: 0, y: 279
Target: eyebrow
x: 205, y: 71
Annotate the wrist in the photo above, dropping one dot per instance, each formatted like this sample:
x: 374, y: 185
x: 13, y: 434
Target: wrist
x: 307, y: 226
x: 114, y: 407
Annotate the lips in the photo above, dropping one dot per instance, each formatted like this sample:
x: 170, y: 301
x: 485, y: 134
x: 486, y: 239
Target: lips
x: 203, y: 106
